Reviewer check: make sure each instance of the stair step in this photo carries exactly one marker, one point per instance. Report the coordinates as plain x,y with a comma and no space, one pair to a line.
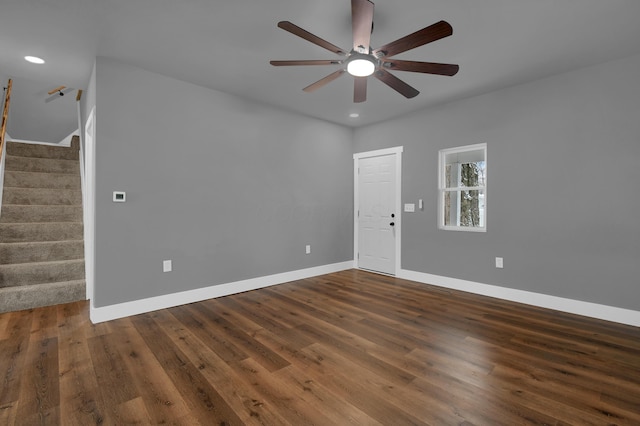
51,231
46,165
38,295
41,151
13,253
41,272
19,179
37,213
41,196
41,230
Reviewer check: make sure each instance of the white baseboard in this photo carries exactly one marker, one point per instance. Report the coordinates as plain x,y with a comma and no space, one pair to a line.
121,310
587,309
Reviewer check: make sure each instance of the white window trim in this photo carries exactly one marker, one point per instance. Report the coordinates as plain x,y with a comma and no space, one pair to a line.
442,190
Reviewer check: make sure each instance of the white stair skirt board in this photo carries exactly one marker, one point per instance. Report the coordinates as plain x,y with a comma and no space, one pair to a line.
586,309
135,307
66,141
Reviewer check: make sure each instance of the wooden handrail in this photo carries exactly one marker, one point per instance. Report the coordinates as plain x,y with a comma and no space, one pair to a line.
5,114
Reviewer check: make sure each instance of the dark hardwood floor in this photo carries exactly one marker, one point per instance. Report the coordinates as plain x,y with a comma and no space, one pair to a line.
346,348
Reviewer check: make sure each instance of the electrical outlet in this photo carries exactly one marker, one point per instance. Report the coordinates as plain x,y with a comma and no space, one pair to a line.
499,263
307,249
167,266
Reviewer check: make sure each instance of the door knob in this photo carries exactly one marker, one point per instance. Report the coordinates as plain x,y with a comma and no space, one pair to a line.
392,223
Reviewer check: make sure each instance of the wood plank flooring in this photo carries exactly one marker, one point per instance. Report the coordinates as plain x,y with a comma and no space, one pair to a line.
350,348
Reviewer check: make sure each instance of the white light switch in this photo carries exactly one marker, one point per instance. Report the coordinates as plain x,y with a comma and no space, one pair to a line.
410,208
307,249
166,266
499,263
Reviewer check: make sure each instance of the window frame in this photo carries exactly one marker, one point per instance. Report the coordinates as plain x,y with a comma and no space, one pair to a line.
443,190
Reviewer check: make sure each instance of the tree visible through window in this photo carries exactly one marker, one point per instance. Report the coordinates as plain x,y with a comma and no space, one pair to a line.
463,188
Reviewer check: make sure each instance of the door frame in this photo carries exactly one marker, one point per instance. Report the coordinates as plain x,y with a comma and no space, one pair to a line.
89,207
397,151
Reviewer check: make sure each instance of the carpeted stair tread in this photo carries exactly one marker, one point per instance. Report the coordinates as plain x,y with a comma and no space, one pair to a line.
22,274
42,231
41,196
41,151
20,179
46,165
40,251
12,213
38,295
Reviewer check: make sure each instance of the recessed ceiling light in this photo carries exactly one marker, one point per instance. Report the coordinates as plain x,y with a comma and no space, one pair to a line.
354,115
34,59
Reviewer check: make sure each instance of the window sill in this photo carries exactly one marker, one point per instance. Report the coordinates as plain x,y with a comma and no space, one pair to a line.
463,229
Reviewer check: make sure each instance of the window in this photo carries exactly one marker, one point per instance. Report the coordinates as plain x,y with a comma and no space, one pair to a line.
462,186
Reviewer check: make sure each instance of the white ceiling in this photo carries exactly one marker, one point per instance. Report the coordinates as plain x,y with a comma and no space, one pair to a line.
227,45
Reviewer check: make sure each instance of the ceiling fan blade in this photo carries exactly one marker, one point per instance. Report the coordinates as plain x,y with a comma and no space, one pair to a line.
318,84
296,30
57,94
426,35
424,67
359,89
361,21
57,89
396,84
305,62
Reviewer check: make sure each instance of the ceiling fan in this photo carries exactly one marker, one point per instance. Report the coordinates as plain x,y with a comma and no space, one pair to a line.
57,93
362,61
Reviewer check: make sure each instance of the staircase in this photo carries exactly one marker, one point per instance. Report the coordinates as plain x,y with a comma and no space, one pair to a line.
41,232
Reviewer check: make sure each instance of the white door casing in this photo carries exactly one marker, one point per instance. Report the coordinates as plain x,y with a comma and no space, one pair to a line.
377,205
89,204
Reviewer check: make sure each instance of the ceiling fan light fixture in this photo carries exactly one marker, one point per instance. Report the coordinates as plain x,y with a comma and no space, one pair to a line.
360,65
362,61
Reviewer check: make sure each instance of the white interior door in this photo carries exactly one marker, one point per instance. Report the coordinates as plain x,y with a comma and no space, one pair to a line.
377,218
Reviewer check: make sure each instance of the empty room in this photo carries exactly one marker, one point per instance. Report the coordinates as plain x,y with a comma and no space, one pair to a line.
339,212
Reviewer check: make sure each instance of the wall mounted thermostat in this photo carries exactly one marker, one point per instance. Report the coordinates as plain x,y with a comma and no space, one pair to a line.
119,196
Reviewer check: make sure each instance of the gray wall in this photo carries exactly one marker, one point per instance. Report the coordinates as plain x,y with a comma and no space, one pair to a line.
563,175
226,188
87,102
37,117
